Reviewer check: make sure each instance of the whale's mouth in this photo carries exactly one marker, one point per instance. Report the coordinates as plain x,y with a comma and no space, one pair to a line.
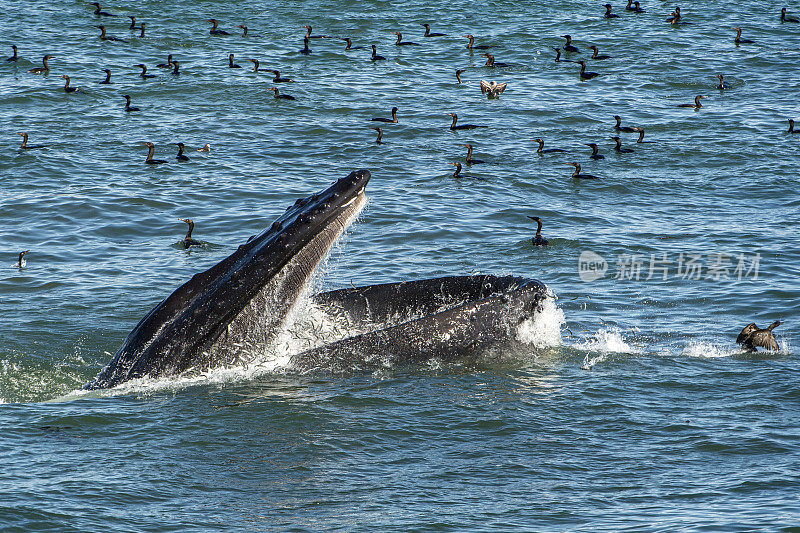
221,315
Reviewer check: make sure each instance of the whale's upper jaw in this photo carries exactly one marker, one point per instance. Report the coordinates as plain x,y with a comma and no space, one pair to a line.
272,268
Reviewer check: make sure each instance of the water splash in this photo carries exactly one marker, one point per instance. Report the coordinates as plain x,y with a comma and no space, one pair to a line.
543,330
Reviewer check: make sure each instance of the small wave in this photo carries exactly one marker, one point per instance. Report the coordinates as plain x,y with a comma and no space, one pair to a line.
708,350
605,341
544,329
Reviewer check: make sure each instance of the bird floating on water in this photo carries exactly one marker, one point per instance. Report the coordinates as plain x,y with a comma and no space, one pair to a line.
738,40
392,120
67,88
150,150
753,336
375,56
619,147
596,55
577,174
128,107
492,89
784,18
586,75
472,46
279,96
696,104
490,62
105,37
538,240
721,85
380,135
470,160
45,68
21,262
609,14
400,42
180,156
214,30
107,81
26,146
429,34
619,127
596,155
99,12
144,75
188,240
542,151
14,57
454,126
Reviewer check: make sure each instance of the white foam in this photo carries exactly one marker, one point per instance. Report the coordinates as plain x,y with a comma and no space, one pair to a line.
607,340
708,350
543,330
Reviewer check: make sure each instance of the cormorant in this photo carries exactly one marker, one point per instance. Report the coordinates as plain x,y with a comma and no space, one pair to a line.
133,25
538,240
696,104
380,135
281,96
791,127
470,160
104,37
214,30
309,36
429,34
128,107
471,45
306,50
492,89
176,68
596,54
24,145
350,44
244,32
256,66
278,79
490,62
141,35
542,151
45,68
641,136
721,85
20,261
400,38
150,150
568,47
100,13
609,14
375,56
144,75
577,173
618,127
784,18
752,336
586,75
231,64
180,156
67,88
595,152
463,126
738,40
459,72
168,64
188,240
619,147
107,81
638,8
15,56
392,120
457,173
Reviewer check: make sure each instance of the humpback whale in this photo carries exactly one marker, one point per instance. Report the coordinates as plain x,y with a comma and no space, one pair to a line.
237,307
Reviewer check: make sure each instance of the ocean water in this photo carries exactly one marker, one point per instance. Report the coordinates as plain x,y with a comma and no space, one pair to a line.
634,409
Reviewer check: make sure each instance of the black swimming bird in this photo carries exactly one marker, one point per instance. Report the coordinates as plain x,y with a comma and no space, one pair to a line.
629,7
104,37
20,261
791,127
281,96
176,68
231,64
595,152
619,147
45,68
675,17
568,47
641,136
309,36
459,72
26,146
133,25
144,75
99,12
128,107
784,18
278,79
141,35
609,14
214,30
350,44
597,55
638,8
429,34
168,64
107,81
542,151
577,174
380,135
67,88
586,75
738,40
256,67
305,50
721,85
400,39
375,56
188,240
470,159
457,173
490,62
492,89
244,32
472,46
180,156
14,57
392,120
618,127
454,127
150,150
696,104
538,240
752,336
